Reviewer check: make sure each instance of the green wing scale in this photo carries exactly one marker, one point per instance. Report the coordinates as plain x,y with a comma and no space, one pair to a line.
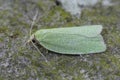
72,40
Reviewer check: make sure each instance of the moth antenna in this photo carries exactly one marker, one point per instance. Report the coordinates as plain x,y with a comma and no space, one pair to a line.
31,27
39,51
33,22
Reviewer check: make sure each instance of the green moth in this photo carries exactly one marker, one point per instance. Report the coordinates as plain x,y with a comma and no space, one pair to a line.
71,40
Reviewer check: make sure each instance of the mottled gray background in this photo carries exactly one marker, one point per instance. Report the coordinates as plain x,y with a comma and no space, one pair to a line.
23,62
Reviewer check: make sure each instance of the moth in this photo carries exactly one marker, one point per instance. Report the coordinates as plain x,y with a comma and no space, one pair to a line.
71,40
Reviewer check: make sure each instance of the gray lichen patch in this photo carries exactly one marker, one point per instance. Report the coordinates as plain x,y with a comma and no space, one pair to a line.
75,7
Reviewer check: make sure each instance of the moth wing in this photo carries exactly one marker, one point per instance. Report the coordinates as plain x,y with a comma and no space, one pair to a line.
72,40
88,31
73,44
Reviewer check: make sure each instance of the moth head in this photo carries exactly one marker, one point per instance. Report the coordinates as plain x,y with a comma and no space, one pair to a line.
32,38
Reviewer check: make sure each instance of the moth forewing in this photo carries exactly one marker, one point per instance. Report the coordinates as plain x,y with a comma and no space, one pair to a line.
72,40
